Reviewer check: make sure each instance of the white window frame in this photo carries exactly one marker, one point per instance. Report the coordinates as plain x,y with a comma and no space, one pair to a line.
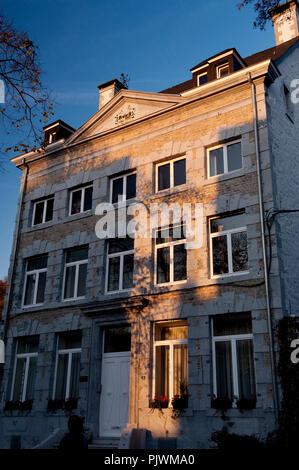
228,234
36,272
171,258
67,265
171,343
26,356
225,162
121,255
45,201
171,162
201,75
233,340
82,189
124,195
220,67
70,353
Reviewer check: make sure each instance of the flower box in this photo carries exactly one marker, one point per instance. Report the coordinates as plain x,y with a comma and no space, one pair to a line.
179,402
71,403
159,403
55,404
26,405
12,405
246,403
221,403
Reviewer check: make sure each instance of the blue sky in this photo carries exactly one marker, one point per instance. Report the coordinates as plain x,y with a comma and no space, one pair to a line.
85,43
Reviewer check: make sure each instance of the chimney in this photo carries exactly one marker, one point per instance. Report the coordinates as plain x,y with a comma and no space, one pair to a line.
108,90
285,19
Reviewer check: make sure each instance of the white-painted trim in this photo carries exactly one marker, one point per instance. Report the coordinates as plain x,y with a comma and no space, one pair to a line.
45,201
120,255
69,352
220,67
171,245
26,356
225,161
35,272
77,264
82,189
124,177
201,75
171,163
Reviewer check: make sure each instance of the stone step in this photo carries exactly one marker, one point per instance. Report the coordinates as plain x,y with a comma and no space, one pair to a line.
104,443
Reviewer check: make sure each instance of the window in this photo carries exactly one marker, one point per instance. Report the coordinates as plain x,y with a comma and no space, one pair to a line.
123,188
233,364
170,358
25,369
228,244
170,254
75,272
120,264
81,200
288,102
222,70
35,281
67,371
43,211
225,158
202,79
171,174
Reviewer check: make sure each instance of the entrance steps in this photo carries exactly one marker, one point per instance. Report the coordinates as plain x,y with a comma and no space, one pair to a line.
105,443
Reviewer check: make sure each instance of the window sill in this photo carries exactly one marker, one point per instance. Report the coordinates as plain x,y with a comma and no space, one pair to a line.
168,192
235,413
225,176
230,275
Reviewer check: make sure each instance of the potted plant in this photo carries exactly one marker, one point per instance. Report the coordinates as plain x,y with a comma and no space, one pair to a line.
221,404
180,402
159,403
12,405
55,404
246,403
71,404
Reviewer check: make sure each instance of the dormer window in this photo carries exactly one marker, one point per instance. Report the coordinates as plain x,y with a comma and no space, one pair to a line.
202,79
222,70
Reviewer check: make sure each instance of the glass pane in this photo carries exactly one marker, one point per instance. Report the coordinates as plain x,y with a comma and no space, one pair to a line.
180,262
117,245
216,162
162,371
179,170
19,379
239,251
224,369
49,209
169,234
40,296
117,339
245,368
69,288
228,223
203,79
29,289
82,280
37,263
78,254
234,157
163,265
88,199
76,201
61,376
75,374
220,258
163,176
31,378
180,369
117,190
28,345
171,330
232,324
39,211
131,186
113,274
128,271
70,340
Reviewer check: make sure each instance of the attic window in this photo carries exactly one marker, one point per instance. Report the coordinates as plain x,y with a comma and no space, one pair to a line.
222,70
202,79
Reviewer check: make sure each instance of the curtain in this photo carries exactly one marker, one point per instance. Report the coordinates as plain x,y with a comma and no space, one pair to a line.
180,368
75,373
61,376
19,379
224,369
245,368
31,378
162,371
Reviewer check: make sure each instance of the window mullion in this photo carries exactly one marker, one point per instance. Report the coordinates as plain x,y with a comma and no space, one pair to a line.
25,379
68,380
82,199
124,198
235,368
44,211
229,252
171,364
76,281
225,166
35,287
171,263
171,174
121,268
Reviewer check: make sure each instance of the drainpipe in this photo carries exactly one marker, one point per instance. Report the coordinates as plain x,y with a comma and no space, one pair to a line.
14,249
261,207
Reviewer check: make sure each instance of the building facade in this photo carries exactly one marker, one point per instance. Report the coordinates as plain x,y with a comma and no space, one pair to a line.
114,328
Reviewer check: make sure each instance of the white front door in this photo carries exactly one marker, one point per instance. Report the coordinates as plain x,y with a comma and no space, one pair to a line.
114,406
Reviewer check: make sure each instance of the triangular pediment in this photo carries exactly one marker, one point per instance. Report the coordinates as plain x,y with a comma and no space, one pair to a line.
125,108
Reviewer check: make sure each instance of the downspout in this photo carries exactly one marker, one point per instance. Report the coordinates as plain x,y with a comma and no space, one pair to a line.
261,210
14,250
